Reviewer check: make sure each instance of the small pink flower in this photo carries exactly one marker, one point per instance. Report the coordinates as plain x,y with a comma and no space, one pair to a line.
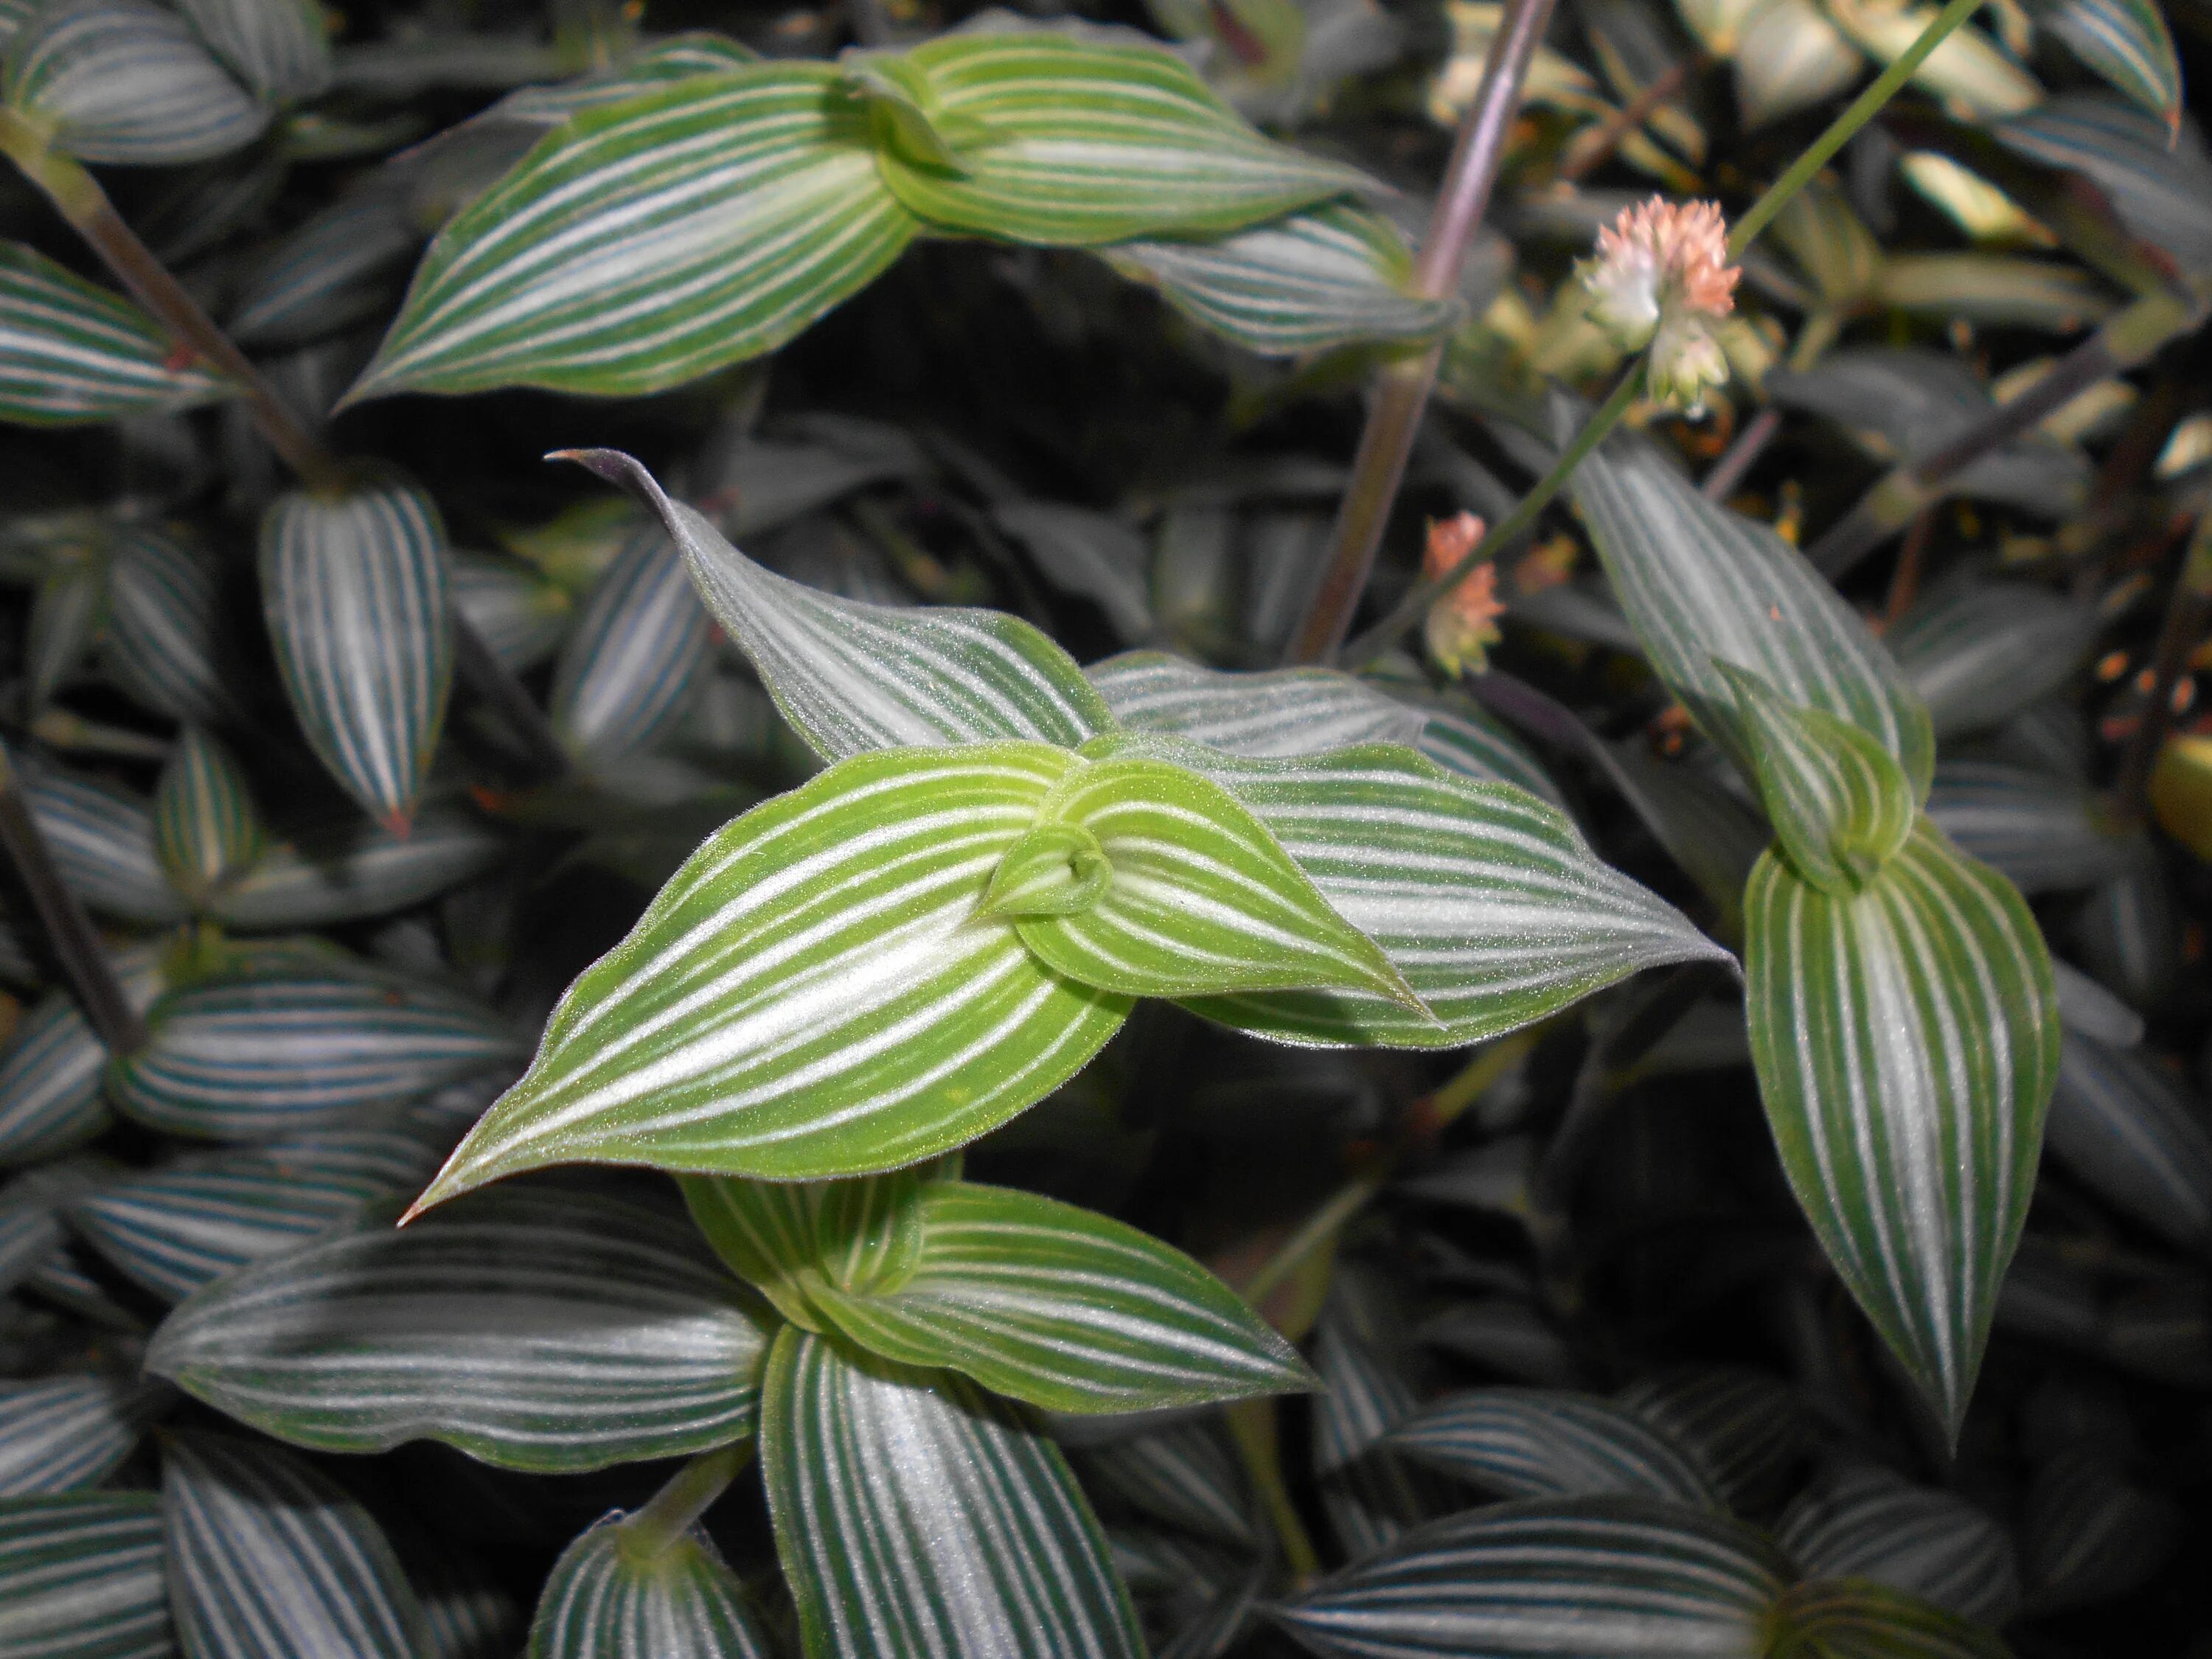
1462,625
1661,278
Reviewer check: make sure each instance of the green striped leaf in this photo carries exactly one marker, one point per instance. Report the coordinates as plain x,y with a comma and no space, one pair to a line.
102,839
1567,1578
2094,1532
542,1331
1535,1443
269,1558
916,1515
31,1209
1199,899
1978,653
1742,1431
1372,1493
813,995
2153,176
520,615
637,654
1839,804
65,615
2043,831
648,243
128,82
73,354
792,1238
2127,1131
206,828
50,1076
338,268
2125,42
1703,586
1063,139
1485,898
852,677
1856,1619
1329,277
81,1578
1277,712
172,1229
604,1599
63,1432
164,645
255,1058
1065,1309
355,592
1187,1476
345,872
1866,1524
280,48
1906,1043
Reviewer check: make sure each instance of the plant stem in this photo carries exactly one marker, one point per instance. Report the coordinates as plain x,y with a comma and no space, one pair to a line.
670,1512
92,981
1415,606
1589,149
1750,443
1402,393
1252,1425
2187,612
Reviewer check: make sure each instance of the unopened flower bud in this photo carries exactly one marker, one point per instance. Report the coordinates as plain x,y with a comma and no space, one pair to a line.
1462,625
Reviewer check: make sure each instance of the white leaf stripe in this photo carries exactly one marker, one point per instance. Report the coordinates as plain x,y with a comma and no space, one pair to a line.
639,646
62,1432
102,838
643,245
81,1578
853,676
813,994
2127,1131
540,1332
71,352
269,1559
345,872
791,1238
50,1076
920,1518
1067,1309
2125,42
356,591
1865,1522
2045,832
1906,1041
280,48
1700,583
126,82
674,58
334,270
601,1602
162,644
1266,715
1743,1430
1594,1577
521,616
1187,1476
205,826
1531,1442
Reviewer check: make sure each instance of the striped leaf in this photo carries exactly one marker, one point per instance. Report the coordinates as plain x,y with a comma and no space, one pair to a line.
172,1229
2129,1132
1068,139
1371,1492
637,654
1199,899
650,242
280,48
50,1076
338,268
542,1331
1099,556
1906,1043
2093,1531
1742,1431
356,591
518,614
1566,1578
1278,713
813,995
128,82
1979,653
269,1558
164,645
604,1599
65,616
102,839
345,872
1536,1442
1867,1523
916,1515
31,1208
74,353
2043,832
1329,277
1187,1476
63,1432
2125,42
1856,1619
1065,1309
1703,585
1462,737
206,828
852,677
1839,804
1485,898
791,1238
252,1059
81,1578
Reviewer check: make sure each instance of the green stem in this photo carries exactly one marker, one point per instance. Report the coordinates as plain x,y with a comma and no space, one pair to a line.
1252,1425
672,1512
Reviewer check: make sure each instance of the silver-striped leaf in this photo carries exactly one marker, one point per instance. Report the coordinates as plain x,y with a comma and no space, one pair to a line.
1565,1578
1865,1522
1065,1309
1541,1442
1742,1431
50,1075
2092,1531
1187,1476
1331,276
636,655
32,1205
66,612
81,1578
206,827
604,1599
916,1515
1064,138
255,1058
1856,1619
358,604
127,82
1266,715
345,872
164,646
520,615
2134,1136
790,1238
1371,1492
280,48
1906,1042
1703,586
269,1558
1979,652
813,995
2125,42
74,353
1099,556
852,677
2045,832
652,242
62,1432
337,269
542,1331
102,839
